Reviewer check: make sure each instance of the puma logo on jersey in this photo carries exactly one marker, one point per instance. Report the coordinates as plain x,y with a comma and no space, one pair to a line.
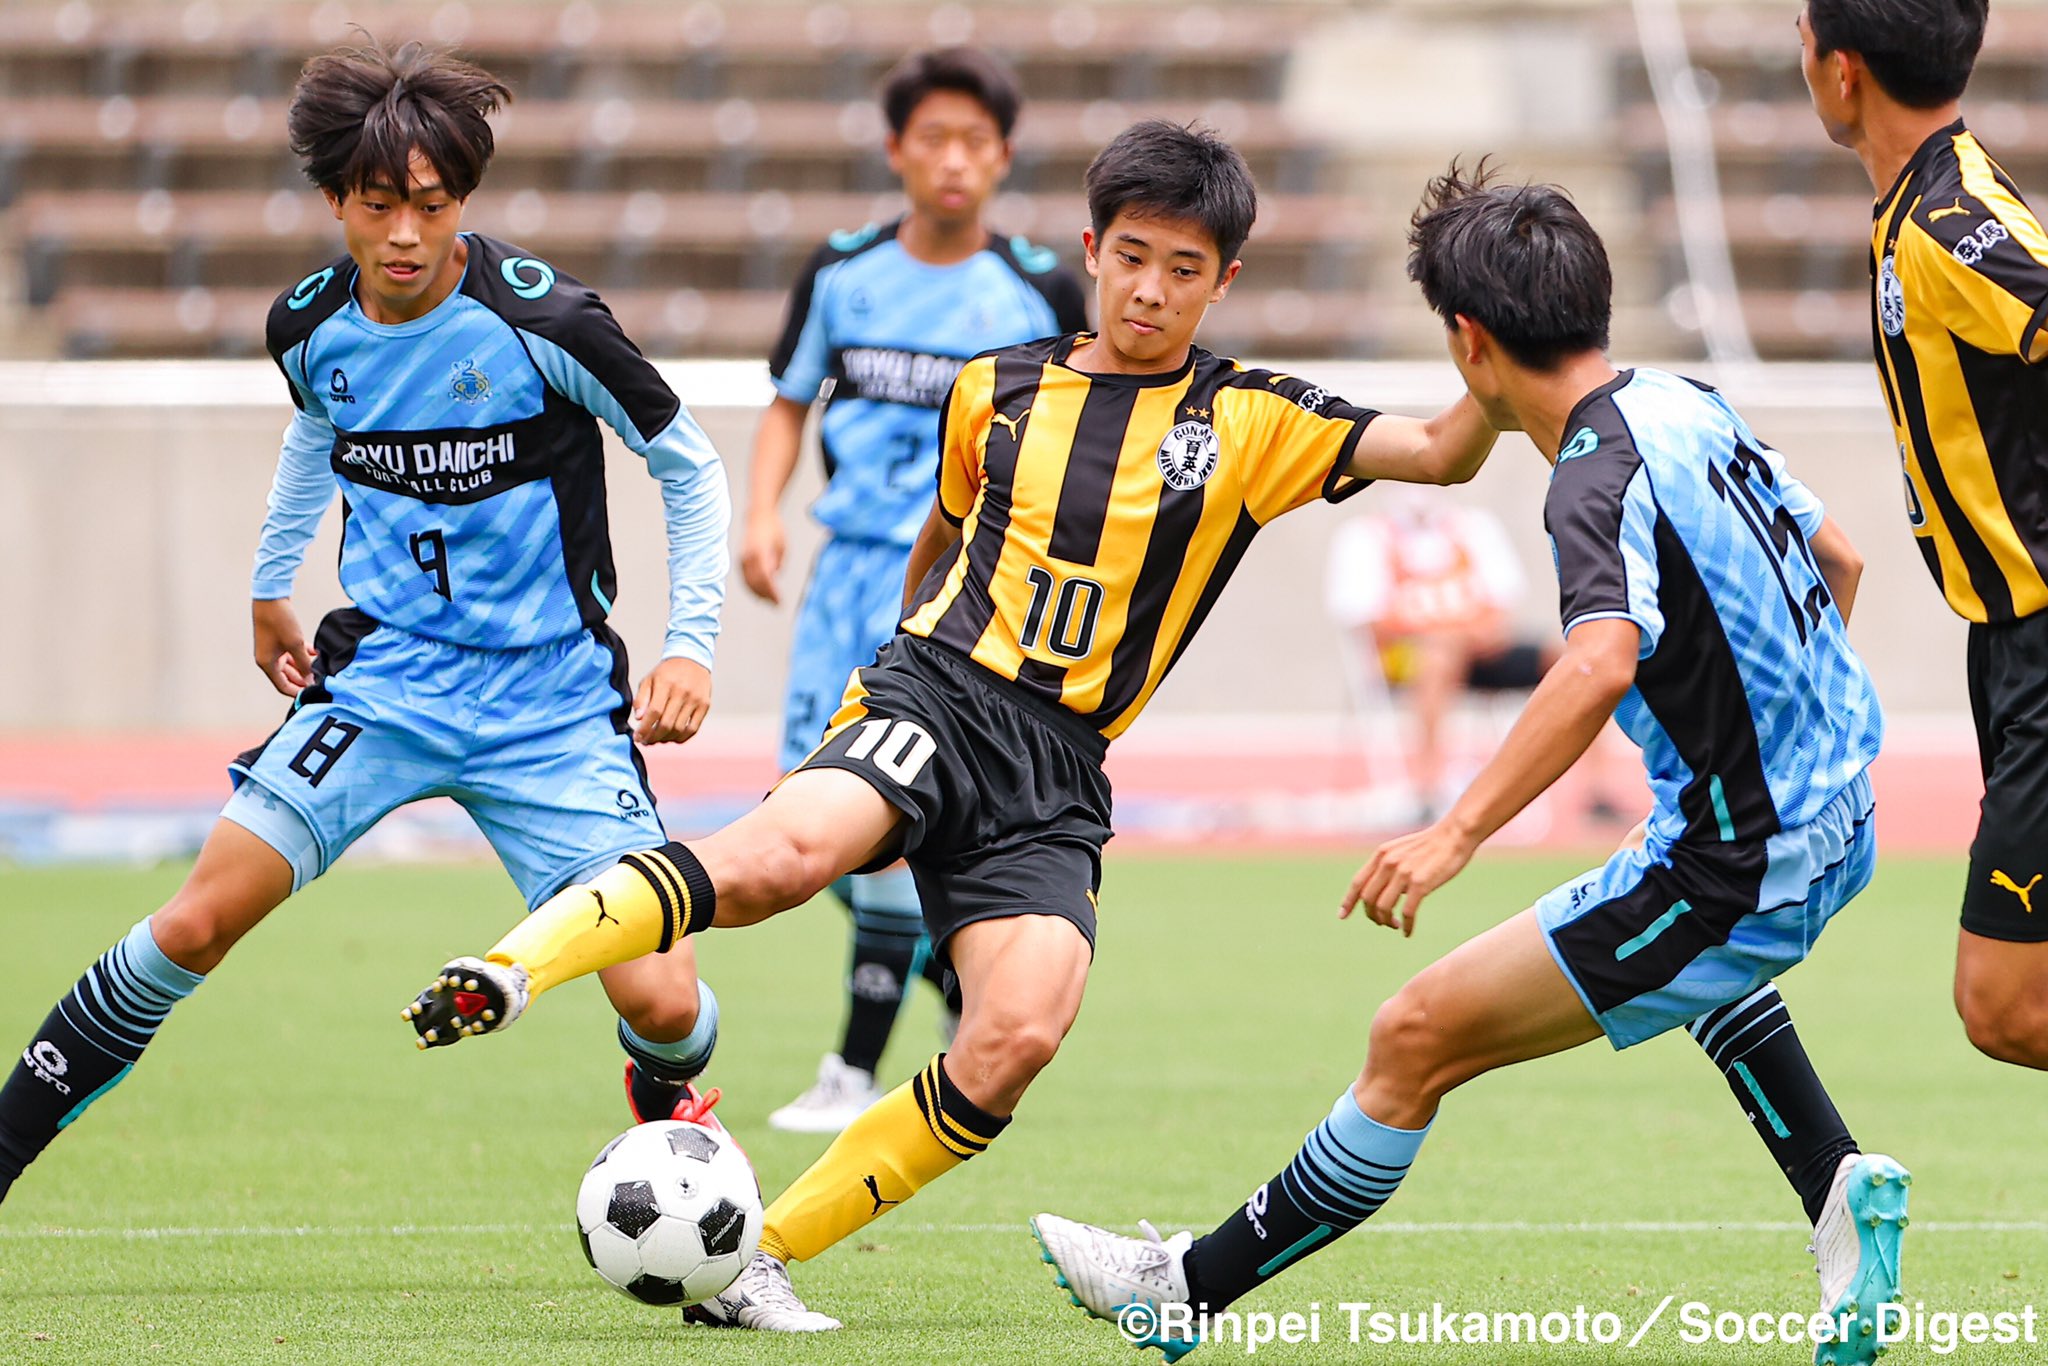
2025,894
1014,424
1955,208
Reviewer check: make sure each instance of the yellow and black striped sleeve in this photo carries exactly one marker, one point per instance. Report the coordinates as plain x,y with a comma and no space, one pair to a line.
1989,253
963,437
1305,437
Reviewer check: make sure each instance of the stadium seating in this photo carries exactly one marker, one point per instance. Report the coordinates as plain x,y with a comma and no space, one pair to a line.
684,159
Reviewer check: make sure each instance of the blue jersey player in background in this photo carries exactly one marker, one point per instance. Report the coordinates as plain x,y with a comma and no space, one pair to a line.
880,322
1704,596
450,387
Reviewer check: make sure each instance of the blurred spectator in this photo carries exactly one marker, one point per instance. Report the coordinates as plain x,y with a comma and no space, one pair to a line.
1424,593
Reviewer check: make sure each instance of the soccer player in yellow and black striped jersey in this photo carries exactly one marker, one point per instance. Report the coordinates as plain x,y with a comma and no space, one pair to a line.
1095,493
1959,277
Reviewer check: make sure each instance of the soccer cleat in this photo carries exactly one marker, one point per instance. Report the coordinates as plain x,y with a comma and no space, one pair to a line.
470,996
761,1299
834,1101
1124,1281
1856,1252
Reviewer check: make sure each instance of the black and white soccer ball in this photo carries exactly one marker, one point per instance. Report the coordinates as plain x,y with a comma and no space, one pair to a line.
670,1212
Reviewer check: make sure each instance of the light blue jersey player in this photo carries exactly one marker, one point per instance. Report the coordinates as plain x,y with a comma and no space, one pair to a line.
879,323
450,389
1705,597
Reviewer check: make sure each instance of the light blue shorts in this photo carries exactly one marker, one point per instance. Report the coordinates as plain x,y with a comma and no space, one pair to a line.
532,743
1659,936
851,608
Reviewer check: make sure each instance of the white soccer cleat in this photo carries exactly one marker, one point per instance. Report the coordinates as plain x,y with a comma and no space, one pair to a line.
1125,1281
834,1101
761,1299
1856,1252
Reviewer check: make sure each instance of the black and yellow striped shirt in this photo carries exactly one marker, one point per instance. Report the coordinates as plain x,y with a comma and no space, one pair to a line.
1959,271
1101,515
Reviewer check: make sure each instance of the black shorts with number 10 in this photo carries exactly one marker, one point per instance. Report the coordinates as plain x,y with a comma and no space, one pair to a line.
1007,803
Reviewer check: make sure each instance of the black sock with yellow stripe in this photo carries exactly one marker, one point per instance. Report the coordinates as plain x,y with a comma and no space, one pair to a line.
642,904
907,1139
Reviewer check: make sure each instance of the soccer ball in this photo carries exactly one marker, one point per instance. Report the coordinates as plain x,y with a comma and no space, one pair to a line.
670,1212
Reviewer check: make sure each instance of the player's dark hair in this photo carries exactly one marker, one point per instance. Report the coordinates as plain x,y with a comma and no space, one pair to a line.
359,113
1920,51
1159,169
1520,260
970,71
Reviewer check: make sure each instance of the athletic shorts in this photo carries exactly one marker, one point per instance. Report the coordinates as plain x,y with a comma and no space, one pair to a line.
1007,804
533,743
852,602
2008,666
1659,936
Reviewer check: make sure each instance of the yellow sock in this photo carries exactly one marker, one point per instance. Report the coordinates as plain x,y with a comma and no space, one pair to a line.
641,904
907,1139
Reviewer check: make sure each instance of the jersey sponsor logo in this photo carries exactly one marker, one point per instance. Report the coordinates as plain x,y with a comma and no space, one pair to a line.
1188,455
459,466
337,387
530,279
1313,399
882,374
1891,298
630,806
1584,442
1999,878
1015,425
48,1063
468,384
308,289
1971,248
1955,208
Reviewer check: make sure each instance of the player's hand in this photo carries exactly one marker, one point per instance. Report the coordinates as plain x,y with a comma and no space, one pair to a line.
761,556
671,702
280,645
1405,870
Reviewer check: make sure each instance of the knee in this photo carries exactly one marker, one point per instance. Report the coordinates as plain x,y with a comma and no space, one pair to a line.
196,928
2005,1026
1409,1050
781,870
666,1016
1000,1054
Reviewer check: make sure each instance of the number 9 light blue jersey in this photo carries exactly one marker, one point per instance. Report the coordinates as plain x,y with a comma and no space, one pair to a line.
1752,710
466,448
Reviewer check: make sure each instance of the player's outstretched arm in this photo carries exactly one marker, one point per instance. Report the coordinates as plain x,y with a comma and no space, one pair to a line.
1840,564
1564,715
1446,449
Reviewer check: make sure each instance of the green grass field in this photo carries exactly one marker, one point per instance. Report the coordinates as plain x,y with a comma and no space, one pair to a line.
285,1179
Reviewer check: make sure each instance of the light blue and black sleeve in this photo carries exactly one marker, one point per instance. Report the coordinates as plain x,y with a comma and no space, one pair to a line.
588,359
304,483
1602,519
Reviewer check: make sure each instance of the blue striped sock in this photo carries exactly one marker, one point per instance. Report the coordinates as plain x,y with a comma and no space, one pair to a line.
687,1056
1347,1168
87,1043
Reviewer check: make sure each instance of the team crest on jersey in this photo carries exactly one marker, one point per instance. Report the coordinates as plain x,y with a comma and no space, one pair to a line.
1188,455
469,385
1891,299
